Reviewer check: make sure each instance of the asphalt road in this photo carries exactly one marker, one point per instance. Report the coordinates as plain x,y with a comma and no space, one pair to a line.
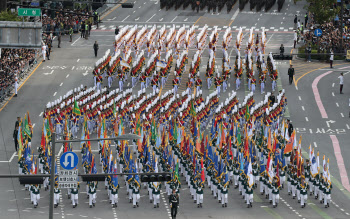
71,66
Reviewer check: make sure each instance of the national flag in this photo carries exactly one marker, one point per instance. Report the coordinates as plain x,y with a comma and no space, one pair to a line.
247,114
250,174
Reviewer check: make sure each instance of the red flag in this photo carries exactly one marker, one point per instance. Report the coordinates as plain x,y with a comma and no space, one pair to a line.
274,143
88,143
290,143
43,141
202,175
65,149
229,145
246,146
269,145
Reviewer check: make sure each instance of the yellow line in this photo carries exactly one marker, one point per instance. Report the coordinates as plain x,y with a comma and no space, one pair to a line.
231,23
21,85
197,20
112,10
296,82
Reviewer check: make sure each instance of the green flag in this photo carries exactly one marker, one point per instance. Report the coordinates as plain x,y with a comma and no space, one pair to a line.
26,128
114,110
177,177
76,109
193,111
239,141
247,115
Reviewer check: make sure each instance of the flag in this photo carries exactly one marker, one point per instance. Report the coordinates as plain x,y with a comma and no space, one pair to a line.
193,110
161,64
124,64
26,128
247,114
250,174
289,145
269,144
76,110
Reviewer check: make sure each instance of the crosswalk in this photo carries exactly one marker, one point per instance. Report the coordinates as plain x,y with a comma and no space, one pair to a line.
234,28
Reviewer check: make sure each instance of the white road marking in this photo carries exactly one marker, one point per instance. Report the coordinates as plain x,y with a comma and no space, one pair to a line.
303,108
333,85
269,39
126,18
299,98
134,11
75,41
306,119
41,114
173,19
13,155
67,76
161,19
33,125
78,60
186,19
315,144
55,94
333,94
235,14
342,115
337,104
137,19
151,18
347,126
61,84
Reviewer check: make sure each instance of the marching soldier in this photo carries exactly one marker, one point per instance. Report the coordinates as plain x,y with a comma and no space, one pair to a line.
135,194
303,192
74,196
218,83
57,192
114,194
174,202
35,189
92,193
156,186
198,83
224,195
327,193
275,192
175,84
199,193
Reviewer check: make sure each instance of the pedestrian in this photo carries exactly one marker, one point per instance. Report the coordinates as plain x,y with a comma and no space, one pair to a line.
82,29
59,40
43,51
90,28
295,22
290,127
298,24
95,48
291,74
308,53
174,203
295,38
16,84
331,58
70,34
48,49
282,50
86,30
306,19
341,82
15,132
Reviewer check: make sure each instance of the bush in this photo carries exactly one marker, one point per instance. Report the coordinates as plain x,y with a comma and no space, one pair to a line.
320,57
9,16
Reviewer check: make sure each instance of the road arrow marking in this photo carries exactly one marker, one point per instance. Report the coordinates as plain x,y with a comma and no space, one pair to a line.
330,121
86,73
66,163
49,73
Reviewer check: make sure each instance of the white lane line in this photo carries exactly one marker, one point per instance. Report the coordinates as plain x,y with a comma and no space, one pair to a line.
186,19
13,155
137,19
337,104
75,41
310,131
333,94
161,19
41,114
269,39
342,115
303,108
306,119
315,144
347,126
78,60
333,85
134,11
173,19
151,18
55,94
235,14
299,98
126,18
61,84
67,76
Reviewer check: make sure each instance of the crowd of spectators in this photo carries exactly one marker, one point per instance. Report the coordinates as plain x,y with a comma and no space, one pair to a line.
14,61
64,20
331,34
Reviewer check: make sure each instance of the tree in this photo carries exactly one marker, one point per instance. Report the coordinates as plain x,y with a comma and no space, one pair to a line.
323,11
9,16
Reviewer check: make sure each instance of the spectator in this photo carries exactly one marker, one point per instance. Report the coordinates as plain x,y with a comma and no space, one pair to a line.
341,82
331,59
295,22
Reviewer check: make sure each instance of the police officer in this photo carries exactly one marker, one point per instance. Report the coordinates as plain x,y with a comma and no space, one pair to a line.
95,48
174,203
70,34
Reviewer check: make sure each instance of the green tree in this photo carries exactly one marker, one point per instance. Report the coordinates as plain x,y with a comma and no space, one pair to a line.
9,16
323,11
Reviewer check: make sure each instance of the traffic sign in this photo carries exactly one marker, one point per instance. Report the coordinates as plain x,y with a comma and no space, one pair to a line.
318,32
29,12
37,4
68,179
69,160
